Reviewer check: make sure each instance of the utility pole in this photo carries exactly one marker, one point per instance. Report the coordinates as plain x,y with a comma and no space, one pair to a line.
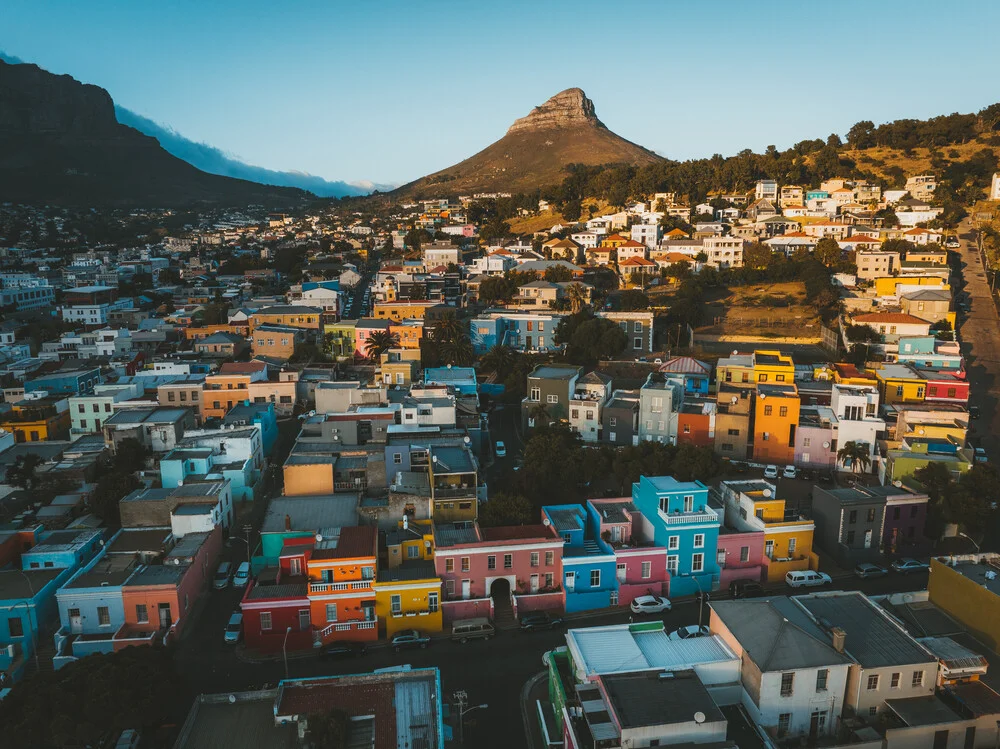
461,698
247,530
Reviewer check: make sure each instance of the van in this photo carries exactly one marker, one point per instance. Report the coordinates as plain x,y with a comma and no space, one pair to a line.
807,579
221,579
242,576
479,628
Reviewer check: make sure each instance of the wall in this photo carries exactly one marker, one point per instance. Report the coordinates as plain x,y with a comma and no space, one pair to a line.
634,584
415,610
734,569
473,607
308,479
539,602
861,700
971,604
284,614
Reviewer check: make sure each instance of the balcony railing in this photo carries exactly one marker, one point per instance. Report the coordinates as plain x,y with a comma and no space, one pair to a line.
447,492
708,515
339,587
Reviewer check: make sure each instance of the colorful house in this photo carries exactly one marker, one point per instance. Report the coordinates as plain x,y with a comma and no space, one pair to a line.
37,420
340,339
408,596
589,565
902,459
945,387
788,537
273,605
900,383
640,565
695,375
341,572
363,328
696,422
776,418
740,555
686,526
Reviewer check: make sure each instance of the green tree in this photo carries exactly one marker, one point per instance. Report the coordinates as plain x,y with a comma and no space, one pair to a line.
632,299
22,473
494,290
828,251
589,339
109,491
556,273
571,210
757,256
378,342
505,509
577,297
498,360
857,454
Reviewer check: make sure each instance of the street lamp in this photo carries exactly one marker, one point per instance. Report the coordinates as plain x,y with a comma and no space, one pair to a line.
969,538
284,649
460,697
701,598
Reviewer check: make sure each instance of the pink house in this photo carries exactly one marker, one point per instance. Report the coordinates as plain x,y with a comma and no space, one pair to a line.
493,570
364,328
740,555
641,568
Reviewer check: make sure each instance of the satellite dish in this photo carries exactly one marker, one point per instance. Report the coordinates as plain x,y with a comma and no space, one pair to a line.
546,521
734,400
826,445
232,699
897,483
767,492
319,538
699,717
920,431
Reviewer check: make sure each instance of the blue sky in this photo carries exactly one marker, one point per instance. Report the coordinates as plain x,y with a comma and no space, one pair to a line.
388,91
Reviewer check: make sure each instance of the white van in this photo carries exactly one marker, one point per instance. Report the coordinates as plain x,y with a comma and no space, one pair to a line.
242,576
221,579
479,628
807,579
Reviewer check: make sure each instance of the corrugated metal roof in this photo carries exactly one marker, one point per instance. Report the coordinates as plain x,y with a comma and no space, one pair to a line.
621,648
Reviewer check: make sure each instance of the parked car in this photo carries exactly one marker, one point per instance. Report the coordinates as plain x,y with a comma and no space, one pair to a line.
907,565
242,576
408,639
476,628
974,412
789,472
345,649
807,579
981,456
771,472
234,630
867,569
650,605
129,739
746,589
539,620
501,449
221,579
689,632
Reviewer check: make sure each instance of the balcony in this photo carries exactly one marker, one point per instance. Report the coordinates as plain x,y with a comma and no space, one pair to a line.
340,587
708,515
455,492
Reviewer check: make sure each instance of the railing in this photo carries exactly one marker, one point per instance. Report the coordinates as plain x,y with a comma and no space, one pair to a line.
708,515
348,626
442,492
337,587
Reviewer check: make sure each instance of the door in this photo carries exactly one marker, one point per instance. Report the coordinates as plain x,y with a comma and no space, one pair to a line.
534,583
164,611
75,621
570,582
817,724
621,572
466,589
868,539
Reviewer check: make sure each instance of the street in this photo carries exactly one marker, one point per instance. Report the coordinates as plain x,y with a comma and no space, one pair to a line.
490,672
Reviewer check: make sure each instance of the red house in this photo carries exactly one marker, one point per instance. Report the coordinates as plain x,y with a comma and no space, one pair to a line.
946,387
696,422
270,606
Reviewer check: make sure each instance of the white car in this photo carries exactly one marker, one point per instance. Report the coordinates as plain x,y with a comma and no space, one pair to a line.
789,472
689,632
807,579
501,449
650,605
771,472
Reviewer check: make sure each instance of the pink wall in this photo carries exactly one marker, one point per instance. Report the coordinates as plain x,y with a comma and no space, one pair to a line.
734,569
539,602
479,571
634,583
452,610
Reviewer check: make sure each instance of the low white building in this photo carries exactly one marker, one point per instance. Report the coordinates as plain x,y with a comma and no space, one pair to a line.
586,405
647,234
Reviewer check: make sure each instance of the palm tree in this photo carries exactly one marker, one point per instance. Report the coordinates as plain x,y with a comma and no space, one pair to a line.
458,352
858,454
498,359
379,342
539,414
577,297
448,328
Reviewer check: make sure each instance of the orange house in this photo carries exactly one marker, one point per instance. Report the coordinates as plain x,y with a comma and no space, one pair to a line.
229,386
696,423
197,333
409,332
776,416
341,575
307,318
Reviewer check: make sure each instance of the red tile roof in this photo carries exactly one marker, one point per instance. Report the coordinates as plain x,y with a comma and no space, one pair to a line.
354,698
242,367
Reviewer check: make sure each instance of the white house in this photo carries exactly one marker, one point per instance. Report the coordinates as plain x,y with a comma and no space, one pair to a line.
647,234
856,407
995,187
328,299
767,189
586,404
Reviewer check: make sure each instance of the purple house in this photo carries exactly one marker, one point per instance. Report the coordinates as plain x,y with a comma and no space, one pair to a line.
816,438
905,517
641,567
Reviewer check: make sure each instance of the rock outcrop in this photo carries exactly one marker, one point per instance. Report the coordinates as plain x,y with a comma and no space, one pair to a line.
569,108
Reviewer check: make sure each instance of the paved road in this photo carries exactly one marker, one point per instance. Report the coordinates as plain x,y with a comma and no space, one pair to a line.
492,672
979,331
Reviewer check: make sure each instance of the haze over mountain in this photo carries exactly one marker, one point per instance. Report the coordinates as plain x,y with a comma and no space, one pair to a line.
535,151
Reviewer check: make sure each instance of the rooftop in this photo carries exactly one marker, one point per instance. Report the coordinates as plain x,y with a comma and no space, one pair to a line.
453,534
923,711
354,542
110,570
158,574
311,513
409,570
15,584
247,722
646,699
283,590
553,372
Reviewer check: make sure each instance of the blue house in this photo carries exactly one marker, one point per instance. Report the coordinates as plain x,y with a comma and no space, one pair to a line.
330,285
817,195
522,331
65,382
589,565
692,374
261,414
684,524
930,353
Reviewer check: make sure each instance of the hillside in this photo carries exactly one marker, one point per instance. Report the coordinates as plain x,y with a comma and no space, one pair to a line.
60,143
535,151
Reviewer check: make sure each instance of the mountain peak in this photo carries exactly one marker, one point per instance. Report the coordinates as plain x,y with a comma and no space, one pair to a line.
569,108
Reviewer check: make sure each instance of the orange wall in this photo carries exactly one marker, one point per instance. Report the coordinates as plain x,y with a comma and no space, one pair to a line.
303,480
226,396
304,319
778,428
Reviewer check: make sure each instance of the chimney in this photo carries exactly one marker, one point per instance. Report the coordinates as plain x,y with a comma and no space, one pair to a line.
288,522
839,636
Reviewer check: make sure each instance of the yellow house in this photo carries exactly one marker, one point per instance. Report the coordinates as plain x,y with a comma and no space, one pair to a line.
966,594
409,333
408,597
889,285
773,367
846,373
788,537
900,383
412,540
398,311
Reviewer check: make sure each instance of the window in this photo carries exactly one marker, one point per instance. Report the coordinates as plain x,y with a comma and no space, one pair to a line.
744,553
548,579
769,549
850,538
449,587
895,513
595,578
465,564
550,558
870,515
534,559
894,680
822,676
674,542
899,391
768,410
647,570
412,552
872,682
873,711
720,557
491,562
672,564
787,680
791,545
783,722
637,327
142,615
15,626
331,612
689,503
449,565
83,423
613,601
432,602
265,621
613,422
783,411
103,616
699,540
551,398
536,394
853,517
508,561
697,562
396,604
734,432
762,378
637,344
918,679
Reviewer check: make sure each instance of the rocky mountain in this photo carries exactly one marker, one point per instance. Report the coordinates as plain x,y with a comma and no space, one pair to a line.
535,151
61,143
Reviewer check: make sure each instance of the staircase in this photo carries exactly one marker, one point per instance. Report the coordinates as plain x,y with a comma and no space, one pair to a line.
503,614
46,650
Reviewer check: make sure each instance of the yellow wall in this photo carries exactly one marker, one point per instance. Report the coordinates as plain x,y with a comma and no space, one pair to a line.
971,604
776,448
936,431
413,598
770,373
302,480
888,286
399,311
913,391
804,558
